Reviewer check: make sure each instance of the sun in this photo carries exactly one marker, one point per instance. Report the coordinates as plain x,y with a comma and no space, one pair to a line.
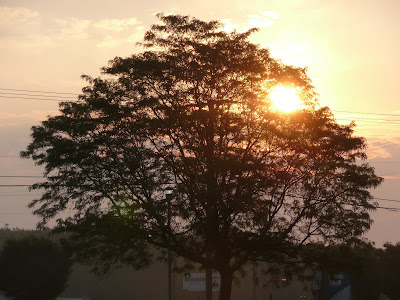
285,99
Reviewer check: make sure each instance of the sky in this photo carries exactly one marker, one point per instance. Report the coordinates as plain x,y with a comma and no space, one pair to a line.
351,50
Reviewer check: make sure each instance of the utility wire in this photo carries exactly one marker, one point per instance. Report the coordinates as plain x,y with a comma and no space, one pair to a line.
15,185
75,94
37,96
21,176
390,173
38,99
365,118
379,121
34,95
366,113
374,198
44,92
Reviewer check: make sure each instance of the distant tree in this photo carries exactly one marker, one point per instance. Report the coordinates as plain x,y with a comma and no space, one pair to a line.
193,112
33,269
360,260
373,270
389,271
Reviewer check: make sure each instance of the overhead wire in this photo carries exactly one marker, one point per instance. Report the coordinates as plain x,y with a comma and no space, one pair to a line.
367,113
29,95
21,176
41,95
76,94
374,198
38,99
38,91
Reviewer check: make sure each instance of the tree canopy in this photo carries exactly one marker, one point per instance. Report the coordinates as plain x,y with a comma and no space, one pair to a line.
192,112
33,269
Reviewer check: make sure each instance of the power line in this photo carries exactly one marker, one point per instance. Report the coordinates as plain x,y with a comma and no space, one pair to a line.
385,199
33,91
380,121
366,113
19,195
15,213
378,162
75,94
390,173
374,198
30,95
67,99
21,176
23,192
38,99
15,185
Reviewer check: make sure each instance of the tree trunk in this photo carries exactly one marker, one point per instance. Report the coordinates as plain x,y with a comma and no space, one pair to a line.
226,285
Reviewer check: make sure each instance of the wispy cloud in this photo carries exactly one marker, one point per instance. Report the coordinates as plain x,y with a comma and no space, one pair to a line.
262,20
112,41
73,28
18,31
229,26
117,25
378,152
17,15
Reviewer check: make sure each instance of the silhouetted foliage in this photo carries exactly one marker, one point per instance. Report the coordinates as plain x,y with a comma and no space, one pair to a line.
33,269
373,271
193,112
389,271
358,259
16,233
351,258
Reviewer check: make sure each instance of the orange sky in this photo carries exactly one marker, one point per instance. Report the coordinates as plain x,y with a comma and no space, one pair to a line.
350,47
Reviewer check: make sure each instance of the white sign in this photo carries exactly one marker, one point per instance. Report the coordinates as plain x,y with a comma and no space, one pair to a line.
196,282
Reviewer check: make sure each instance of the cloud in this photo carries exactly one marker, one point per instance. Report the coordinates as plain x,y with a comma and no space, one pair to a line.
294,53
74,28
112,41
266,19
262,20
49,33
378,152
229,26
116,25
17,15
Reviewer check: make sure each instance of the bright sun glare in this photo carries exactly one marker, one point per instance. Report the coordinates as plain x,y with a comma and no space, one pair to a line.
285,99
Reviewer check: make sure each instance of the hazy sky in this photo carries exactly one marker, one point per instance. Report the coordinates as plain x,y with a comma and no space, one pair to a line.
350,47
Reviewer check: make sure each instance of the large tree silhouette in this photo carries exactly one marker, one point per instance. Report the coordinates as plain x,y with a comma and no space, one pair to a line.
192,112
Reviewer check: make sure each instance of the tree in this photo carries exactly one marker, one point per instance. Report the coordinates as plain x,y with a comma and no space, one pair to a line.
33,269
388,271
359,259
192,112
